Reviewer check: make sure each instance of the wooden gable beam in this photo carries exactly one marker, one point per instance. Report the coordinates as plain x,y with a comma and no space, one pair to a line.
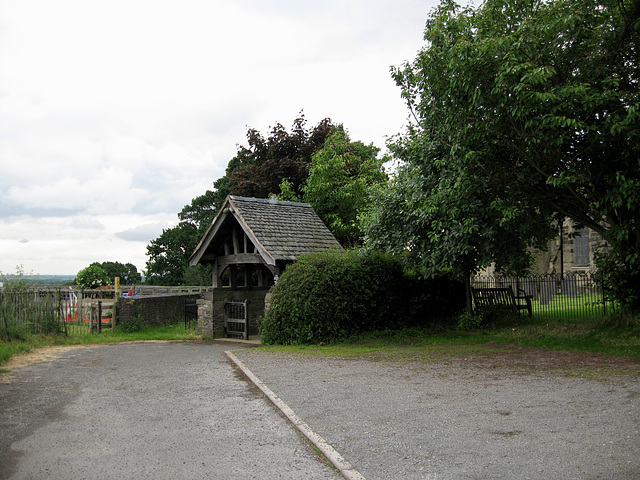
242,258
217,222
232,245
234,241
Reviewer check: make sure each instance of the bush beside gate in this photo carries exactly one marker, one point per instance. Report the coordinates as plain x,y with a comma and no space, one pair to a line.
327,297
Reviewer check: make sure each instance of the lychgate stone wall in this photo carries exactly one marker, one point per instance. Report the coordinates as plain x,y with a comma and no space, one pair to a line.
154,309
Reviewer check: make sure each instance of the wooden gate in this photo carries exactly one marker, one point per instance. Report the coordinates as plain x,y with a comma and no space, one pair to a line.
236,323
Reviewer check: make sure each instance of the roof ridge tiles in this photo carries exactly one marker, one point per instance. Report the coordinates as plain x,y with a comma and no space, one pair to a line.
269,201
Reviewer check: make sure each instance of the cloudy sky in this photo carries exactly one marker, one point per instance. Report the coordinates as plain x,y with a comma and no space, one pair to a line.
115,114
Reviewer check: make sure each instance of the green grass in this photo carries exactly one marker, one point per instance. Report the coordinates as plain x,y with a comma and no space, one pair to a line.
174,331
616,337
583,307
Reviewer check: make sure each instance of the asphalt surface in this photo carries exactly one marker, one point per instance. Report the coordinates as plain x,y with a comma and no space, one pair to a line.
184,411
146,410
524,414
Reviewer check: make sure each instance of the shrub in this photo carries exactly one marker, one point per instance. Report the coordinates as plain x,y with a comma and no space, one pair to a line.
433,300
331,296
133,325
92,277
622,282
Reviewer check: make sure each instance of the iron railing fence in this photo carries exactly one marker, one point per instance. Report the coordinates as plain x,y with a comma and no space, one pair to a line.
68,309
54,310
575,296
28,312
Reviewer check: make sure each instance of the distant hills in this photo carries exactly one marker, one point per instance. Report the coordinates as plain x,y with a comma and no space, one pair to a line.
49,279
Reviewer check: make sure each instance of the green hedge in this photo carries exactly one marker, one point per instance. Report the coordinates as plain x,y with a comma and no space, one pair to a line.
331,296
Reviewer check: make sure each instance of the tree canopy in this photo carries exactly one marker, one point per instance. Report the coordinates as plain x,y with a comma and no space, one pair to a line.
169,255
260,168
536,103
93,276
341,183
448,218
127,272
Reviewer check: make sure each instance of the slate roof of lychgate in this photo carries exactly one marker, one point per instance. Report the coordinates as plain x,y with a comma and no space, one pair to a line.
283,230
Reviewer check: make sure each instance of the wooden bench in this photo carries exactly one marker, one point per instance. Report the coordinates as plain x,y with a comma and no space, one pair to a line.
485,297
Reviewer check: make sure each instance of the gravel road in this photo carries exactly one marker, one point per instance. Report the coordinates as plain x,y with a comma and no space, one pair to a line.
145,410
182,411
519,415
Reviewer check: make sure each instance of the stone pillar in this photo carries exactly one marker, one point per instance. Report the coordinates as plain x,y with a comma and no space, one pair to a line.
205,315
218,316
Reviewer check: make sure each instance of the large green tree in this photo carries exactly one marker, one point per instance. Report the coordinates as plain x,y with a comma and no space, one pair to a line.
342,183
452,219
542,100
93,276
202,210
447,218
169,254
260,168
127,272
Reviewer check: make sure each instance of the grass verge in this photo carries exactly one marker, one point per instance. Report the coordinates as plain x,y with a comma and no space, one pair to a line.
618,337
174,331
614,336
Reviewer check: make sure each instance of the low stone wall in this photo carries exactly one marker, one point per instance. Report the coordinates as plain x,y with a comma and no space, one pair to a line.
155,309
211,309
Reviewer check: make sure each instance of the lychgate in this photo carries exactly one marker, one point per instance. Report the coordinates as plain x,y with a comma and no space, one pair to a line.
248,245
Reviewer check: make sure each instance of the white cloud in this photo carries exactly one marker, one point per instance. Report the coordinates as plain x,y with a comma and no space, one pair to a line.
114,115
142,233
91,192
65,245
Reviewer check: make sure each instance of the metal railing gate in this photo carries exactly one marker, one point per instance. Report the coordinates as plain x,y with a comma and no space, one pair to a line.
190,312
236,323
